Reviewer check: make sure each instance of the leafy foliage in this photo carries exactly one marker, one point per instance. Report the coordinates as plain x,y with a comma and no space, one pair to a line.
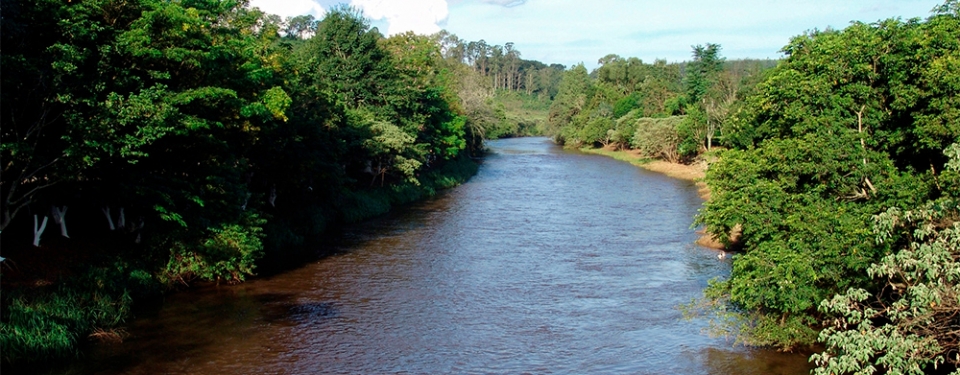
658,137
837,133
219,141
599,108
909,325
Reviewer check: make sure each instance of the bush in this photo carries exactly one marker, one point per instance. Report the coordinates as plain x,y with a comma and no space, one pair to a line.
626,127
229,253
597,130
659,137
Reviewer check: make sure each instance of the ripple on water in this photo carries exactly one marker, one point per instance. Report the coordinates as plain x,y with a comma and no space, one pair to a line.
548,261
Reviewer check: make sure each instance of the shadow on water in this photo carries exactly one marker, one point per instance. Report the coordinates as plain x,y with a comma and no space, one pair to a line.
547,261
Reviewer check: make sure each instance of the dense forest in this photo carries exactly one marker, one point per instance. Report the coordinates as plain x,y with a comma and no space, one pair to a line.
834,174
151,144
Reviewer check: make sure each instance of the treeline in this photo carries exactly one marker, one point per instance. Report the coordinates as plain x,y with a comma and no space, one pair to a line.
503,66
504,95
151,143
667,110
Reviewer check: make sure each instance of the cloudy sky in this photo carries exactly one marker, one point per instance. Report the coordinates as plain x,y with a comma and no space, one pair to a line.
573,31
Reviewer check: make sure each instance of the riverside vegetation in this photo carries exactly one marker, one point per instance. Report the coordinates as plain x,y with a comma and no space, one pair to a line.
839,169
150,145
195,140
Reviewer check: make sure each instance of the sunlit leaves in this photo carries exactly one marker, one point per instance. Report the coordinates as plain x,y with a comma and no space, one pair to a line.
911,327
850,125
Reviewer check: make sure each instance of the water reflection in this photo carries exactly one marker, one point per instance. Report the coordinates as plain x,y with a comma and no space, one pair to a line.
547,261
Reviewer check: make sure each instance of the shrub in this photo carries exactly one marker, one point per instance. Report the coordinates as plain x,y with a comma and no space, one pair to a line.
229,253
658,137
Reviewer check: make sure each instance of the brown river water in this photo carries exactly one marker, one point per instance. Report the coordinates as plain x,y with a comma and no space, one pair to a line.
546,262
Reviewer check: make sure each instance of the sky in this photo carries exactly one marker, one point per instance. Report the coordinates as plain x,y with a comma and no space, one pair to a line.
574,31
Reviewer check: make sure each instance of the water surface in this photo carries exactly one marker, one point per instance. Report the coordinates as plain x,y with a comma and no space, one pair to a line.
548,261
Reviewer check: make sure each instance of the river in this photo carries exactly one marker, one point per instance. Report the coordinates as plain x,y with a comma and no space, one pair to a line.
547,261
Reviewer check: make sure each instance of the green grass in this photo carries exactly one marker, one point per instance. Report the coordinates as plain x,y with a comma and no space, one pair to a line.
619,155
49,322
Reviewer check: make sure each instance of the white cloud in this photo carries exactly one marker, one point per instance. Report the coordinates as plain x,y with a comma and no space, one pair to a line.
290,8
419,16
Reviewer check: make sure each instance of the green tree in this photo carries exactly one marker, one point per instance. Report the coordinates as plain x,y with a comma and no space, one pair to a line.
575,88
908,325
848,126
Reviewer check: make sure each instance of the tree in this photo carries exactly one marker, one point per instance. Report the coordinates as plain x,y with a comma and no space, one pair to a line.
909,325
658,137
662,84
839,132
575,88
702,71
300,27
345,55
701,79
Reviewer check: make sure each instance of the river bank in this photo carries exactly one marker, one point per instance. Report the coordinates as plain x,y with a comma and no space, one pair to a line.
71,294
688,172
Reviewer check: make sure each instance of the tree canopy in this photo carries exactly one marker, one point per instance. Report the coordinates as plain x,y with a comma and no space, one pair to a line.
854,123
205,136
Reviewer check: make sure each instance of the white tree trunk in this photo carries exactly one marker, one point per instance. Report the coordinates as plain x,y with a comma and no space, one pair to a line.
245,201
106,211
59,217
38,231
273,196
122,221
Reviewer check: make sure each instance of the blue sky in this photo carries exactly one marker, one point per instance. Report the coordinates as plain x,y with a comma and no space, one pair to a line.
574,31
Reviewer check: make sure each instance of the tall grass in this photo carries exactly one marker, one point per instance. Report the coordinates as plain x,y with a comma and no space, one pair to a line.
48,322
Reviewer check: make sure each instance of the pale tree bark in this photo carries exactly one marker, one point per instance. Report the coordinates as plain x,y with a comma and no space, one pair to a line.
59,217
246,200
273,196
106,212
863,145
37,231
122,221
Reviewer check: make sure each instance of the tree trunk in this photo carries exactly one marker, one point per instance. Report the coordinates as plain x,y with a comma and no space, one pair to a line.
106,212
139,229
38,231
246,200
122,221
273,196
863,145
59,217
710,131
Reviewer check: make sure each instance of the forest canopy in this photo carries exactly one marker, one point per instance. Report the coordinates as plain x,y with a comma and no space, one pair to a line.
181,141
